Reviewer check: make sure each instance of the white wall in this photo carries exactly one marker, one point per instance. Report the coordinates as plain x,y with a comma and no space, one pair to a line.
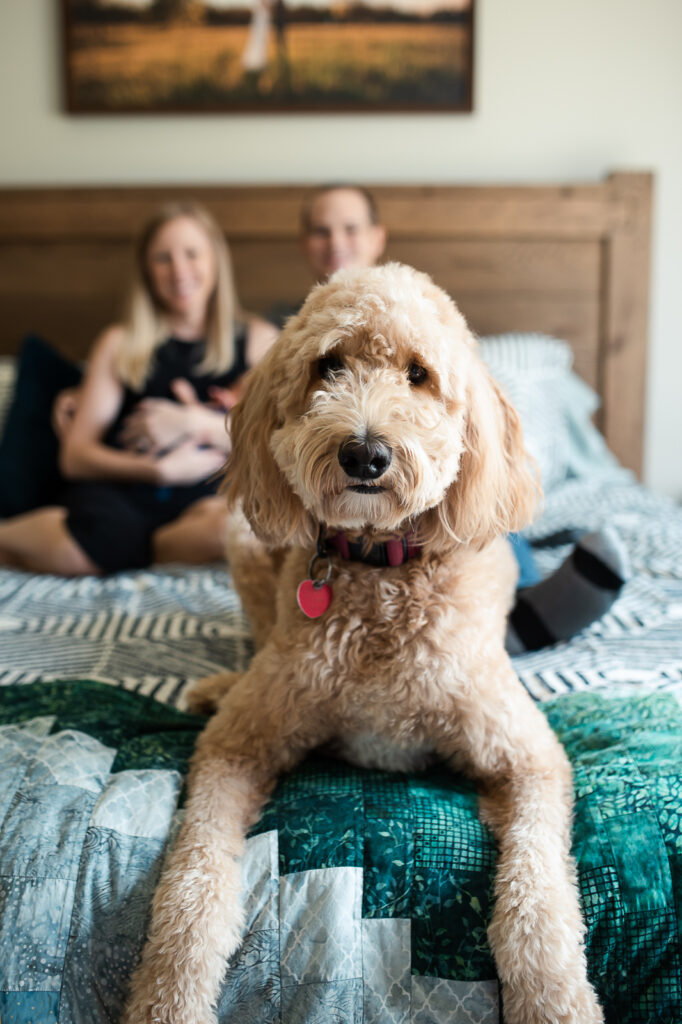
564,90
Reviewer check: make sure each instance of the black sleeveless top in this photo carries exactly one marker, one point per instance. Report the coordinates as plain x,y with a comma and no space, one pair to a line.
114,521
177,358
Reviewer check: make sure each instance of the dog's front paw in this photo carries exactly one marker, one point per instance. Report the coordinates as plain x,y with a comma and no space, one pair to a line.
204,696
560,1004
584,1008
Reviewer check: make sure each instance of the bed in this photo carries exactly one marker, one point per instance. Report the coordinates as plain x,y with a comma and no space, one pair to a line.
368,894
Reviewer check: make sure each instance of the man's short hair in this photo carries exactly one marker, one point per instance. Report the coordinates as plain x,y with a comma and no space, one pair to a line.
307,204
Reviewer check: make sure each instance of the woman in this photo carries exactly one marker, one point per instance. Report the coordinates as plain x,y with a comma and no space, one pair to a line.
148,435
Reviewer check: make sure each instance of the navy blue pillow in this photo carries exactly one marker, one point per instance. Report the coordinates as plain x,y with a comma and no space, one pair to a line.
29,470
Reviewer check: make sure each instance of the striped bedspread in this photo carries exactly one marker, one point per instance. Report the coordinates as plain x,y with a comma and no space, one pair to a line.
640,640
154,632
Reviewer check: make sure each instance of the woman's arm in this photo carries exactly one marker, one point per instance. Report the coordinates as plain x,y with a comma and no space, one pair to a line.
261,335
84,456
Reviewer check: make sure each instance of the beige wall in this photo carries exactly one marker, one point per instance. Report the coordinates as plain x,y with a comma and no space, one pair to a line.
564,90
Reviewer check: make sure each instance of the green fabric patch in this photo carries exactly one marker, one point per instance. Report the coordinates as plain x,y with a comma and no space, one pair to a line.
626,754
145,733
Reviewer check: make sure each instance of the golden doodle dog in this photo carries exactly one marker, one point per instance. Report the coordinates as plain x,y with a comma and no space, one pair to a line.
373,445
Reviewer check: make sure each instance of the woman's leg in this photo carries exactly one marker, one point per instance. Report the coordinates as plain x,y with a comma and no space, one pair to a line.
40,542
195,537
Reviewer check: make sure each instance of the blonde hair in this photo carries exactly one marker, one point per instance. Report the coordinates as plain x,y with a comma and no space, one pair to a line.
146,321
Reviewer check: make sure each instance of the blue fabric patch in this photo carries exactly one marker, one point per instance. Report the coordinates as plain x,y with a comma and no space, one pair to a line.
112,904
29,1007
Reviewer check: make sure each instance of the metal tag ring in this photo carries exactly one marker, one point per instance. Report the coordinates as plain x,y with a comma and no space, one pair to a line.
311,568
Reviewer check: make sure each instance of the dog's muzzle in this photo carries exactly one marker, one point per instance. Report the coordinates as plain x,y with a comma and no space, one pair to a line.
364,460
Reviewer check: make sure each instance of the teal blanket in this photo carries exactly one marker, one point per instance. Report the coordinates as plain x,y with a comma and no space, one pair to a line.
368,893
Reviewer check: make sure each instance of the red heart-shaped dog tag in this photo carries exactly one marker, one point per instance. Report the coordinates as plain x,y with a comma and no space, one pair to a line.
313,601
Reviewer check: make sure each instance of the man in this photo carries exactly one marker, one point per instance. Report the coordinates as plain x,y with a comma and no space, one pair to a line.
340,227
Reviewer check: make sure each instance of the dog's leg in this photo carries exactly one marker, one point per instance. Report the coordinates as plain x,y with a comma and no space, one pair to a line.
259,731
205,695
536,932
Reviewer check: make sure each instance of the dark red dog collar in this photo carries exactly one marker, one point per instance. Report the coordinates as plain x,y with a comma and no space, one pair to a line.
392,552
314,596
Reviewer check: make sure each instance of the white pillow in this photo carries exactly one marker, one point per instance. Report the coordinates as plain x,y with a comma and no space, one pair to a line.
555,406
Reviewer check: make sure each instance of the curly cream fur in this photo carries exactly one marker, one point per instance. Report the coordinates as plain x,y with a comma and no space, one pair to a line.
412,654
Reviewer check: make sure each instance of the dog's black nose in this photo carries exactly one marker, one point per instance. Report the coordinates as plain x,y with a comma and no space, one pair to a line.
364,460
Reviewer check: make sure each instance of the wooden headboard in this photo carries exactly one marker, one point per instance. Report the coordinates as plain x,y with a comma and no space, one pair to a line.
571,261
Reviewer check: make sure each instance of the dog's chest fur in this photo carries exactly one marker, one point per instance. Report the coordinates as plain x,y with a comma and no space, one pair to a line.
393,642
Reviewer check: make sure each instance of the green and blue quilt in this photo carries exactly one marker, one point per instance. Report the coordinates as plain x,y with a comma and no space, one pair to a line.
368,894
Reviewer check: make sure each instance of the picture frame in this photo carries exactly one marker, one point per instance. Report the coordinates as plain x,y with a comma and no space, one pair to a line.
286,56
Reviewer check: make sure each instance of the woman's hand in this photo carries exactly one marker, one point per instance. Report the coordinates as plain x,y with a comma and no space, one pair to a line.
188,464
220,399
225,399
156,424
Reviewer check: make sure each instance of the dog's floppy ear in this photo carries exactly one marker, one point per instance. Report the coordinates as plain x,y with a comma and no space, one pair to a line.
252,476
497,489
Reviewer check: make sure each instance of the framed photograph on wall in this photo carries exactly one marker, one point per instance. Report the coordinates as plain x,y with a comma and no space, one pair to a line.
142,56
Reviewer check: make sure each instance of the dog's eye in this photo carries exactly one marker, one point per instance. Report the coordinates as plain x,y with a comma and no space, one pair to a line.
328,366
416,373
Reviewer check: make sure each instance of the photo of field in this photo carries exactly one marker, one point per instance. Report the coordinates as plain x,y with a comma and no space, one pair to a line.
175,55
